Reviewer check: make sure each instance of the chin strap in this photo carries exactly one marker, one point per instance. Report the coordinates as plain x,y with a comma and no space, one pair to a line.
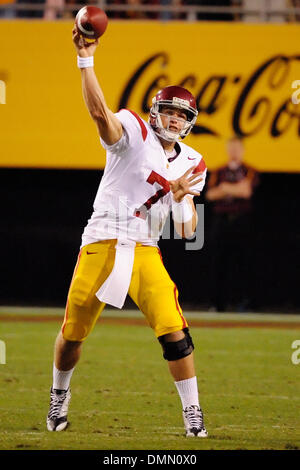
165,133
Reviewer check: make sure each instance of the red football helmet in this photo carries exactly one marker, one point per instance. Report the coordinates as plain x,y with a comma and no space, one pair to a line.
177,97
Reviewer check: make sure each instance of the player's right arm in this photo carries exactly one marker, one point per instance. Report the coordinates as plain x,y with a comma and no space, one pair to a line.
109,127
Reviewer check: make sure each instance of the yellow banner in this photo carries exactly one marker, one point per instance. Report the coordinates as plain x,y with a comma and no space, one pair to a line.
242,76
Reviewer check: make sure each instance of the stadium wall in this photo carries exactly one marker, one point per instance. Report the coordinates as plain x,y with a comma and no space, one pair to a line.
241,74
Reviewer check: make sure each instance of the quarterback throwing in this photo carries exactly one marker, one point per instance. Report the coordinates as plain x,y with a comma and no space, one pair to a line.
149,173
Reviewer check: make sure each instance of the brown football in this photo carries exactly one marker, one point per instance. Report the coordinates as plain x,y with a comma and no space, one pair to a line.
91,22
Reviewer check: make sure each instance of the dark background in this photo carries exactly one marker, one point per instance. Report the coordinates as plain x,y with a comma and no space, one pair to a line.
44,213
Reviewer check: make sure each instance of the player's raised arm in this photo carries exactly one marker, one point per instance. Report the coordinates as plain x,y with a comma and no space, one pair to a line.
109,127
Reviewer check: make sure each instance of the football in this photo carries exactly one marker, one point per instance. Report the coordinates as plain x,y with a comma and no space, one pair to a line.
91,22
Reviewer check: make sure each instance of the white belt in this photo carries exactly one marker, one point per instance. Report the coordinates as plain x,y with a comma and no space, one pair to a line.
115,288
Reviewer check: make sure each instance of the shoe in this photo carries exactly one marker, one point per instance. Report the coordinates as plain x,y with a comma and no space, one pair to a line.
193,422
59,404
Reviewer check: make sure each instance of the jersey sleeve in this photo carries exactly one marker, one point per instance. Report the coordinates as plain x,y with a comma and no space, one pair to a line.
200,168
134,132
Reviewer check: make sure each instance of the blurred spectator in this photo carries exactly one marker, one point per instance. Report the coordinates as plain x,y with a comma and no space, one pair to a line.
230,190
216,16
166,15
266,11
72,13
158,15
27,13
116,14
132,13
296,4
171,15
54,9
7,12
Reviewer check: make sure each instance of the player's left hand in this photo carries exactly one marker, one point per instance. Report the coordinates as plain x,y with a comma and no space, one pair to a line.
184,185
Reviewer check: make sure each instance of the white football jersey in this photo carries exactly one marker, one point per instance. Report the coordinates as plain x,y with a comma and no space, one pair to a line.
134,199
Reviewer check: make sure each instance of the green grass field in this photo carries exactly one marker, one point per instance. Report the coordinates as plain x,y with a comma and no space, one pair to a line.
124,398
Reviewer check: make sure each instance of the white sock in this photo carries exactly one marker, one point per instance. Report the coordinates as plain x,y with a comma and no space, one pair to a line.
188,392
62,378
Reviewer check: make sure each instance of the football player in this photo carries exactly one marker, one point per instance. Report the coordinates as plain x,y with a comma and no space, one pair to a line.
149,172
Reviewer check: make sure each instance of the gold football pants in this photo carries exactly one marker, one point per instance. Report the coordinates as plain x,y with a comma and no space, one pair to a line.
151,288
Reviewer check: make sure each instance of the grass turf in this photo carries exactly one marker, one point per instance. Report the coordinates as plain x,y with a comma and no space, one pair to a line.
123,396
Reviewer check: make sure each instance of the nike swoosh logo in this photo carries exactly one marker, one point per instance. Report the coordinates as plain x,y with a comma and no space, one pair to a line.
91,252
189,158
